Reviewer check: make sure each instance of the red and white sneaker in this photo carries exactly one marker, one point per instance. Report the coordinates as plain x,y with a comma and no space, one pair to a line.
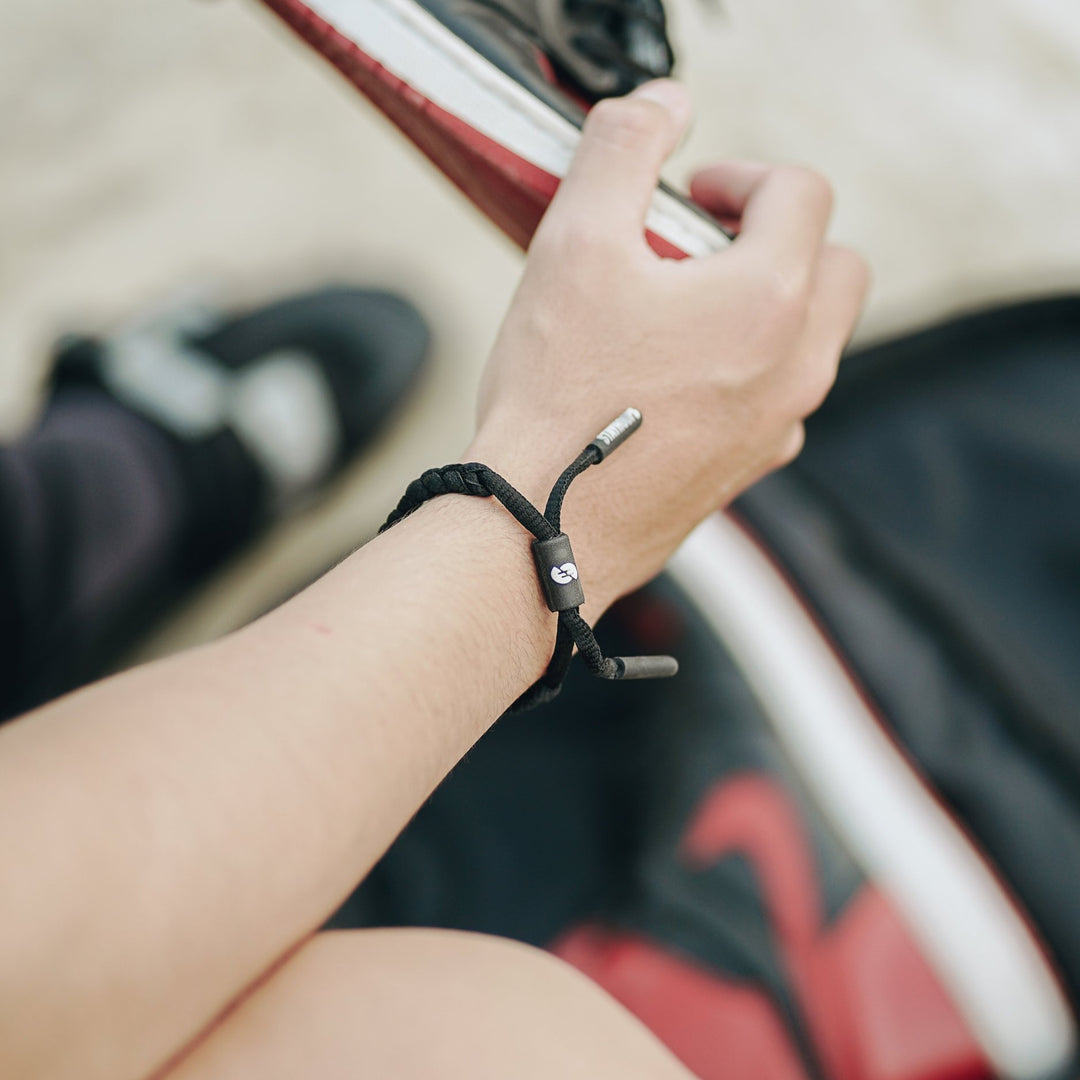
494,91
938,971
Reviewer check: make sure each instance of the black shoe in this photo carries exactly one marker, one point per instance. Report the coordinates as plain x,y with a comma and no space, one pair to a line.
287,393
166,449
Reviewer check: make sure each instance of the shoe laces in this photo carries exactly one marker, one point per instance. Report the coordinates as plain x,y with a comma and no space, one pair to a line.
628,34
627,38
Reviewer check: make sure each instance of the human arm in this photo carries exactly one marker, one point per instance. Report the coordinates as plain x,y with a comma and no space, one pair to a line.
178,829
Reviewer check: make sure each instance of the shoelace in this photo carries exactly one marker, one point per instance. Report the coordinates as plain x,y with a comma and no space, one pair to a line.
627,35
631,34
630,11
555,564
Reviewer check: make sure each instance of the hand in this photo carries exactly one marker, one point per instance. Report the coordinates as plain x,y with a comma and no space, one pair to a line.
724,356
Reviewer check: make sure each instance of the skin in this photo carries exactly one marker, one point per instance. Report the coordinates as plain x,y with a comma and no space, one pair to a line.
181,831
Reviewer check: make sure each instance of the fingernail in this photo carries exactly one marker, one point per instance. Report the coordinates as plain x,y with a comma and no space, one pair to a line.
672,95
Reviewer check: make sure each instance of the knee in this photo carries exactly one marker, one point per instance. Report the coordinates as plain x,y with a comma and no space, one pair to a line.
467,963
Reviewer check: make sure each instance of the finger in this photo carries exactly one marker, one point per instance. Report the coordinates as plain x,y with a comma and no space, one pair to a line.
624,143
784,210
841,282
723,189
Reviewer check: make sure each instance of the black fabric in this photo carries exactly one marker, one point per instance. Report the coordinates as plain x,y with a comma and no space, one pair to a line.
108,521
933,522
530,833
596,48
12,615
954,457
221,495
93,510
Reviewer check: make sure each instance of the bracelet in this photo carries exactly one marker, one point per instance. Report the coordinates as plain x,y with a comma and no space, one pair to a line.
554,558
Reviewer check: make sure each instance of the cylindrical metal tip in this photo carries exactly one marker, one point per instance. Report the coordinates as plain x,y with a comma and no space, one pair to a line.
617,432
646,667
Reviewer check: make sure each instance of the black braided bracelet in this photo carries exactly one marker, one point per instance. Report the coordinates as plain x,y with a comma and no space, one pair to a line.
554,558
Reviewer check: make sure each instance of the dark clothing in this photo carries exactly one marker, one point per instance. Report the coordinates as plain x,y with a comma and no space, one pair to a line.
103,524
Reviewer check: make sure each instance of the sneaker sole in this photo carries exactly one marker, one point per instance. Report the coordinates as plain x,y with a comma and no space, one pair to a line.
970,929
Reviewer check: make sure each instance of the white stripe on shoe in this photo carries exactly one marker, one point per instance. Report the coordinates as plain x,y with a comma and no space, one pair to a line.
283,410
151,369
279,405
970,932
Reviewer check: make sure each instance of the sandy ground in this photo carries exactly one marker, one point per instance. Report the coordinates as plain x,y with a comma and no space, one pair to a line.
145,146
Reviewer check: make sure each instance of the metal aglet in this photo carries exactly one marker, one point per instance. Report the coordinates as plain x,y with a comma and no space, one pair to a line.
641,667
616,433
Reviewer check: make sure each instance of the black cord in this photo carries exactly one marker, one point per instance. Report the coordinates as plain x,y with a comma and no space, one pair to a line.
555,564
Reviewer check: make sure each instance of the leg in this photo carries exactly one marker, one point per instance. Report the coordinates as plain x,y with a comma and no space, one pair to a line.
92,509
427,1004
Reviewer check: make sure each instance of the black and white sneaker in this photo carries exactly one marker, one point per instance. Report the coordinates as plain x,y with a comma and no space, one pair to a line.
165,449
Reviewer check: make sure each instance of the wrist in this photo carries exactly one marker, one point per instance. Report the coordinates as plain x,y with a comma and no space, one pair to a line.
530,465
525,460
494,571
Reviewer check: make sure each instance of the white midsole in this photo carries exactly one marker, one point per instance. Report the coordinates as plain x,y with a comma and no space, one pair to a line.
980,947
438,65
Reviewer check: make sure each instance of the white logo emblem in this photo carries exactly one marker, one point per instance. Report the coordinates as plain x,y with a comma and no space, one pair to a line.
563,575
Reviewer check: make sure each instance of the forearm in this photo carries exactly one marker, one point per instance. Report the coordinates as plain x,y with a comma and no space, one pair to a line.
170,833
177,828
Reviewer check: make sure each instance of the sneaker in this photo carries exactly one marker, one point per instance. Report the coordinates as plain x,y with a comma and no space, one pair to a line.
494,91
929,924
931,527
167,448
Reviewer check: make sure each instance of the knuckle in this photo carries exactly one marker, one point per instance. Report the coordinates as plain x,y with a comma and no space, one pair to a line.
787,290
583,248
571,233
595,244
625,122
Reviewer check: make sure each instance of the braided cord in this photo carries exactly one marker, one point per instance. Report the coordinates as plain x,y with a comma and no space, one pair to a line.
478,480
471,479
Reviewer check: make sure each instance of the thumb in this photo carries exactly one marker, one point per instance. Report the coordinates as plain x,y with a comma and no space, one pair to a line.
624,143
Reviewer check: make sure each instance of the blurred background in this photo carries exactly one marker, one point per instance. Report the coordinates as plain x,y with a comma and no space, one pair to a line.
146,147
